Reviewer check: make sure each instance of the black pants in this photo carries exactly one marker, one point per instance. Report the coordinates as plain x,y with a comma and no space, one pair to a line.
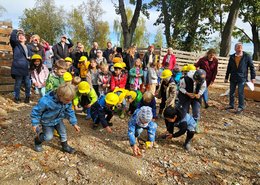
96,89
162,104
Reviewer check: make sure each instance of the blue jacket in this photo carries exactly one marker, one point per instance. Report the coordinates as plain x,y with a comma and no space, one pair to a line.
50,111
189,120
152,104
133,127
240,73
20,65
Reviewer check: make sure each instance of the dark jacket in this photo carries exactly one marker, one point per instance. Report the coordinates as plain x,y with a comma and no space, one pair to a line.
93,53
240,73
211,68
21,64
59,52
37,49
146,60
76,56
106,54
129,61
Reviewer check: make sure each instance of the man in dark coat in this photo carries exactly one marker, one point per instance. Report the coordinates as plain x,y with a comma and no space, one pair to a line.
237,68
108,52
93,51
61,49
20,65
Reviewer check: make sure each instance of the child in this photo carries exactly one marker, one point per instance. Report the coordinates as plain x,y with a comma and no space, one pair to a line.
141,119
118,79
39,74
83,67
152,77
184,70
177,74
92,76
177,117
167,90
121,106
132,100
50,112
87,96
136,74
75,81
67,77
102,111
71,69
104,79
55,78
148,100
192,87
159,70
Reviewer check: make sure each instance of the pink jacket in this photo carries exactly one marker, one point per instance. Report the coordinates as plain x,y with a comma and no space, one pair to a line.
172,61
40,78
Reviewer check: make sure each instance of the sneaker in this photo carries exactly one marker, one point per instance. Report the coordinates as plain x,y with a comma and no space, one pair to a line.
187,146
239,111
27,100
88,117
37,146
229,107
17,100
122,115
67,148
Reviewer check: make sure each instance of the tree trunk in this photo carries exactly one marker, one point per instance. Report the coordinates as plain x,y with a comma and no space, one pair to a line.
167,23
128,30
256,42
225,44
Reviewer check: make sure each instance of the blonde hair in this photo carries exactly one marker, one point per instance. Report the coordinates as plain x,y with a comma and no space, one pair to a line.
60,64
148,96
66,91
76,80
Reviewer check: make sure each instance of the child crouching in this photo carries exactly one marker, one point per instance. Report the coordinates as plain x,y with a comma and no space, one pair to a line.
141,119
50,111
177,117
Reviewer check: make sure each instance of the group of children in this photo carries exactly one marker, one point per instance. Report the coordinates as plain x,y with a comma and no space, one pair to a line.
100,92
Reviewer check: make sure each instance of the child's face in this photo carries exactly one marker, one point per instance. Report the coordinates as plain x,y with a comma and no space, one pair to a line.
60,72
118,71
138,63
37,62
129,99
69,64
93,64
104,69
109,105
172,120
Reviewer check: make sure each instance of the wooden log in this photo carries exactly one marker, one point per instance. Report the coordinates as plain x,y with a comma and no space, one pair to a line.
6,48
5,71
4,39
5,31
6,80
6,63
6,88
6,24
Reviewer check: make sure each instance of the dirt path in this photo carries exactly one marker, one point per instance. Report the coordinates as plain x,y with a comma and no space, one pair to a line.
226,152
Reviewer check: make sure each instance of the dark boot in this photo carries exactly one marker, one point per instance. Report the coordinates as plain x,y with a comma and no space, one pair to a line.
88,114
187,144
67,148
17,100
27,100
37,144
206,105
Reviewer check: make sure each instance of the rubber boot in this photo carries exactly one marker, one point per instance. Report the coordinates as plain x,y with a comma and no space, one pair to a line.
122,115
67,148
27,100
88,114
187,144
197,129
37,144
55,133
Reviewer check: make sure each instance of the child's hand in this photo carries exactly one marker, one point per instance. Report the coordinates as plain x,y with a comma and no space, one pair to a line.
88,105
191,95
77,128
36,84
34,128
78,108
108,129
136,150
197,96
170,136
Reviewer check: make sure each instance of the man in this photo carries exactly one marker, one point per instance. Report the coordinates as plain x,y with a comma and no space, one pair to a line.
61,49
238,65
20,64
108,52
93,51
149,58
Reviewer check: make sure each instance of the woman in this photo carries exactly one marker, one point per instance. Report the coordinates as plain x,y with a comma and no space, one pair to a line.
169,60
208,63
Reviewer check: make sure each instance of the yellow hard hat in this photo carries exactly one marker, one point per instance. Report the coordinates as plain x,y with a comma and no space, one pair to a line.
84,87
123,64
67,77
166,73
68,59
83,58
118,65
112,98
117,59
133,94
36,56
185,68
121,93
191,67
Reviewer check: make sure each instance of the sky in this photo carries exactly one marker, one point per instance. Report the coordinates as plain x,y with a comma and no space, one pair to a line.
15,10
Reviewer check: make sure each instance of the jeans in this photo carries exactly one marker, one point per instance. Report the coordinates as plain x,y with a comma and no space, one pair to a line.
205,95
151,131
195,105
40,90
145,72
241,86
47,132
18,84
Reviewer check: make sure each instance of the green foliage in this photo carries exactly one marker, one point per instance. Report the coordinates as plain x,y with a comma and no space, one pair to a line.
158,39
45,19
2,10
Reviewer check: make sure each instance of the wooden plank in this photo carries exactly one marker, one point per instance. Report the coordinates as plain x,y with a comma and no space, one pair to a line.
6,48
6,88
5,71
4,80
4,39
6,63
6,23
6,56
5,31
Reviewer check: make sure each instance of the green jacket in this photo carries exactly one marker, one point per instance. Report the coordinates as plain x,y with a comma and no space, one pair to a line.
53,81
92,96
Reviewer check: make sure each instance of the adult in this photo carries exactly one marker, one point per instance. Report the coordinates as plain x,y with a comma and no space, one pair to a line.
109,51
20,65
136,53
61,49
79,52
93,51
129,58
36,47
237,68
100,59
208,63
169,60
149,58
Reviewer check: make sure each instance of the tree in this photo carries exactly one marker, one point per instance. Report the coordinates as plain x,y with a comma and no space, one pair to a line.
117,30
45,19
2,10
128,29
77,28
225,44
158,39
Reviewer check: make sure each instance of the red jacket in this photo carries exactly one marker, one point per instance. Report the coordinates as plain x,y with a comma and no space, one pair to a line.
172,61
211,68
118,81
